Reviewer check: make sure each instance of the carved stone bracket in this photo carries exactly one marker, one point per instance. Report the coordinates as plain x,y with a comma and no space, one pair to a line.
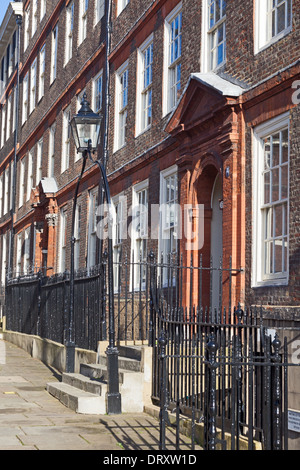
52,219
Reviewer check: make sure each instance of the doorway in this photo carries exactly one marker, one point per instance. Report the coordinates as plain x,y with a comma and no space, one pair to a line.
216,241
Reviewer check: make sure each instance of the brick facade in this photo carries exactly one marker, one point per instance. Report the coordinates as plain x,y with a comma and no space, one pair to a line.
208,133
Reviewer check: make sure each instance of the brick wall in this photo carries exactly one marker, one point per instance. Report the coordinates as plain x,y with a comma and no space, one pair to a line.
145,155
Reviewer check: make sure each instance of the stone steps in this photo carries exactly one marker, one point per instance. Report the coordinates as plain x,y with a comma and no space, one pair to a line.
76,399
85,392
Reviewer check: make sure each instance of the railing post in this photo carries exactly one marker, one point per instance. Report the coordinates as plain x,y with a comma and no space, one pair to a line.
163,390
212,405
38,323
277,397
103,300
151,315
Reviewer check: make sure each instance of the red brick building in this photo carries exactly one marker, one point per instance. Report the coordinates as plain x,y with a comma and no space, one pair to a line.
204,111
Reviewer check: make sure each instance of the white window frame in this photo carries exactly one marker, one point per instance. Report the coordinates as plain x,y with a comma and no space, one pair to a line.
78,106
42,66
259,277
63,239
82,27
11,185
26,27
43,9
121,105
92,228
77,229
39,161
51,161
70,17
25,98
54,46
34,17
14,110
208,32
263,37
139,233
19,254
121,5
6,190
66,140
118,207
144,86
3,124
171,65
9,117
33,71
10,59
99,10
4,259
26,262
98,96
29,175
22,183
166,226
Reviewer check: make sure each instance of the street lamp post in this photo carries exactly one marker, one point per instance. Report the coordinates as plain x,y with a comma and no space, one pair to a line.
85,128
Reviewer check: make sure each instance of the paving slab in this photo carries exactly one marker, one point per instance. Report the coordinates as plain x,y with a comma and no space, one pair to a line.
32,419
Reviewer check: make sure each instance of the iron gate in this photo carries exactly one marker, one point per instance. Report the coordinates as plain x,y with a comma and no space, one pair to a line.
221,368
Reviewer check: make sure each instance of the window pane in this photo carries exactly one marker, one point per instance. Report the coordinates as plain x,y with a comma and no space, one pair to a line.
267,153
220,53
278,256
217,3
285,255
223,7
211,16
268,258
285,228
273,23
278,214
268,214
275,149
281,18
284,181
289,12
267,187
285,146
275,185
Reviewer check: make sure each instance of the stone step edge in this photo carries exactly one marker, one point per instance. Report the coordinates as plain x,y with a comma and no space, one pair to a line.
82,382
77,400
100,372
125,363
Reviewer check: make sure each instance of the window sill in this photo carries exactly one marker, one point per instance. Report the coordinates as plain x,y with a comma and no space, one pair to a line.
271,283
218,68
67,62
272,41
143,131
120,148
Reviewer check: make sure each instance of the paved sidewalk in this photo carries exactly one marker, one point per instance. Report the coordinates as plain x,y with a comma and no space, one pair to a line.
31,419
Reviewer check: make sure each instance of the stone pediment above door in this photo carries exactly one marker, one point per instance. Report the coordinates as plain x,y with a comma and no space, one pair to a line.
45,190
205,95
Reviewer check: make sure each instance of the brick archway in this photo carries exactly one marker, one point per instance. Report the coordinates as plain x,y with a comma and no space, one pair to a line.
200,193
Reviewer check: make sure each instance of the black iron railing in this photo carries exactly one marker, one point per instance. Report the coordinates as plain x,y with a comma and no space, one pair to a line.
223,367
217,364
